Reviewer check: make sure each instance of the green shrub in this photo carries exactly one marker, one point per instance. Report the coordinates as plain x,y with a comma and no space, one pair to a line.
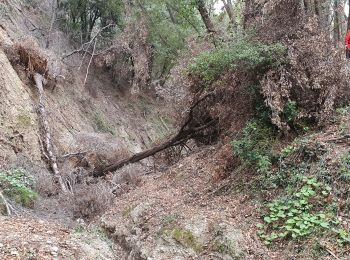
242,54
17,184
344,168
290,112
254,146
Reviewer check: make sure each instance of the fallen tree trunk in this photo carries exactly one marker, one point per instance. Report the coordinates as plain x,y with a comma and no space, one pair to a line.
184,134
45,129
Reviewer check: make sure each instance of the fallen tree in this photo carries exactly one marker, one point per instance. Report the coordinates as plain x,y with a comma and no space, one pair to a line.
186,132
45,129
36,63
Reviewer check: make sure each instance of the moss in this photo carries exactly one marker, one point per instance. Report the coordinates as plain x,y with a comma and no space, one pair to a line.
102,124
24,119
185,238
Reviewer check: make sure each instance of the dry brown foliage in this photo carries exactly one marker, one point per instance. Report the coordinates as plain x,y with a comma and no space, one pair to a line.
129,57
231,104
31,57
222,163
314,77
91,200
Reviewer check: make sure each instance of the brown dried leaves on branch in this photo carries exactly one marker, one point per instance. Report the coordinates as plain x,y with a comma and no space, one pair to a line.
314,78
315,75
31,57
129,58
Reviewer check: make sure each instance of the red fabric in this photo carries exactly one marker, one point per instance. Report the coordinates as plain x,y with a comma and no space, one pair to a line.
347,40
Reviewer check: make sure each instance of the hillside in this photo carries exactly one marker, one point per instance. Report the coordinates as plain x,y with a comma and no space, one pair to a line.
174,130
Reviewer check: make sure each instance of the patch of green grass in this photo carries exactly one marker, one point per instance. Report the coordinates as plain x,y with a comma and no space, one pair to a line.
342,119
344,167
126,213
342,111
17,184
290,112
5,10
102,124
167,220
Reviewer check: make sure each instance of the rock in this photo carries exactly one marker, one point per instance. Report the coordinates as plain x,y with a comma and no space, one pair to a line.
14,252
228,241
138,212
54,249
81,222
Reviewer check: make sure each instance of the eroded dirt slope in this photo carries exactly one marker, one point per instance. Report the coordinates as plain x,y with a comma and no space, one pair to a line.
182,214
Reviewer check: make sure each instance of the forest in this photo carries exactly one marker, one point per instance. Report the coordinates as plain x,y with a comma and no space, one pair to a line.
174,129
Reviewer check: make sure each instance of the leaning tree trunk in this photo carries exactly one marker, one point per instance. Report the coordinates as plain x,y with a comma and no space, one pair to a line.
230,12
205,16
185,133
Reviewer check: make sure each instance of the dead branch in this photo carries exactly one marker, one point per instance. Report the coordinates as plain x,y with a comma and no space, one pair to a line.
331,253
73,154
87,70
39,79
85,46
185,133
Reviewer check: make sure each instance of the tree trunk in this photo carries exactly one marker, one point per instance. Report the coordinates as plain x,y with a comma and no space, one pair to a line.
229,10
48,149
336,35
205,16
348,23
185,133
325,16
171,14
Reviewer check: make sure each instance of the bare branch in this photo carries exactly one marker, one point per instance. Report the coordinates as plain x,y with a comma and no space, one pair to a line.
87,70
85,46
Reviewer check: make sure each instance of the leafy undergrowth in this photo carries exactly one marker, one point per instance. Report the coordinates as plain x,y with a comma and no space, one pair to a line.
17,184
307,182
309,209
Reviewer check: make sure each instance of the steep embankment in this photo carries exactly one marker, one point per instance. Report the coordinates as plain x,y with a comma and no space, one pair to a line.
209,205
95,120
